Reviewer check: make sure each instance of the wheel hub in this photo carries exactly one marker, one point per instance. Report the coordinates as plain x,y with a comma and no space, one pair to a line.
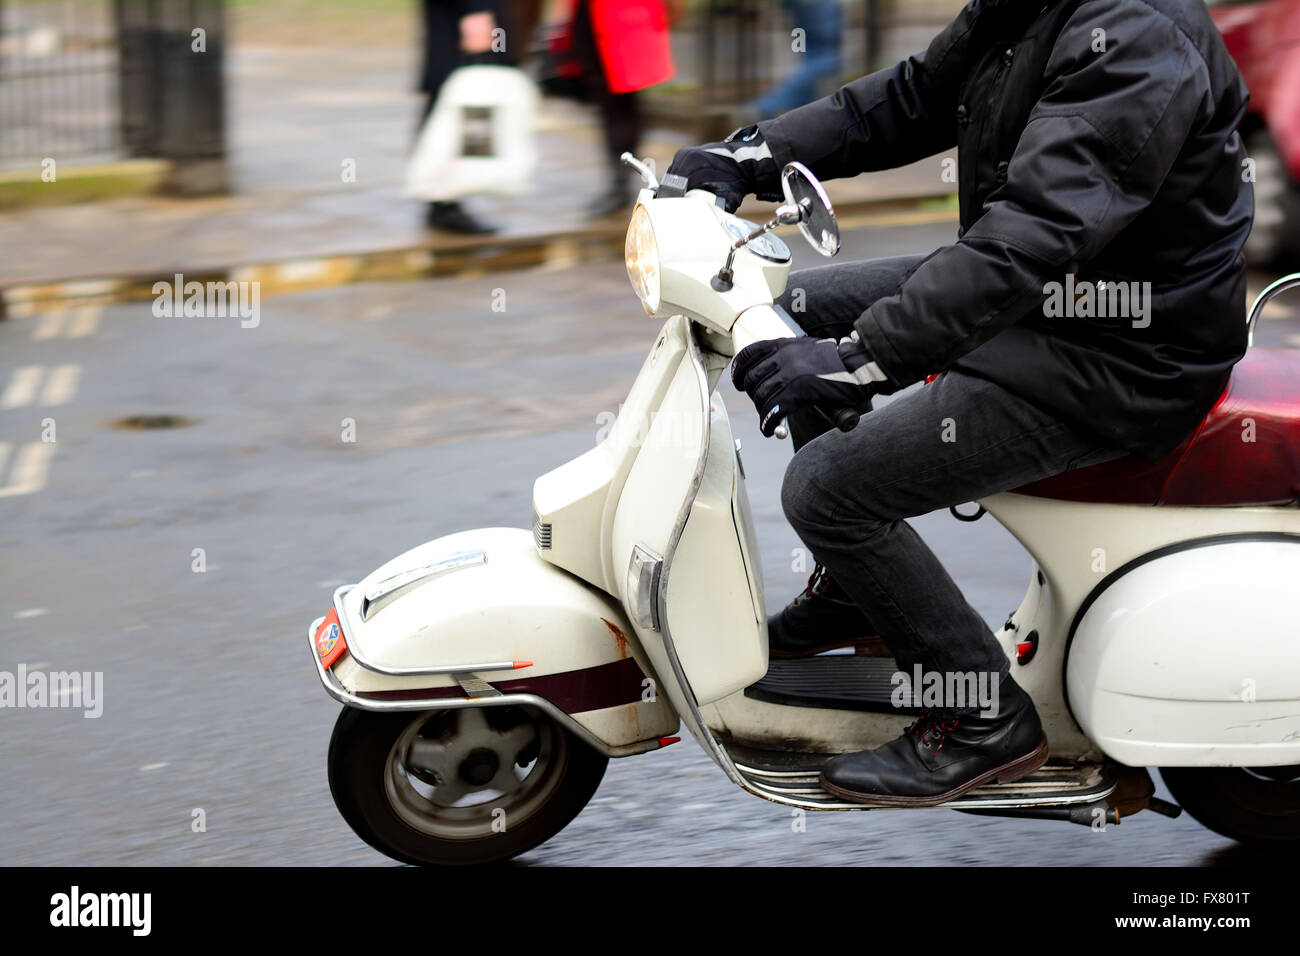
480,767
453,774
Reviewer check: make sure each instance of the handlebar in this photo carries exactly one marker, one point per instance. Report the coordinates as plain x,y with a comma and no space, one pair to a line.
845,419
772,322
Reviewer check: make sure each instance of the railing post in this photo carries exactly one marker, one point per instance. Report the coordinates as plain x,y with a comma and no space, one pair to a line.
171,69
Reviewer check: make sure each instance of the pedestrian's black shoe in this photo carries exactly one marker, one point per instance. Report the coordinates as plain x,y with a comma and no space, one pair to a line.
617,200
939,758
822,618
453,217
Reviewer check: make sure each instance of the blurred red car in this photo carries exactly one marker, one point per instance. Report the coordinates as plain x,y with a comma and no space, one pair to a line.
1264,40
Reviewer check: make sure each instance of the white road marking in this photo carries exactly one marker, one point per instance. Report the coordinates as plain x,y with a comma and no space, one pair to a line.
31,612
85,321
22,386
49,326
61,386
30,471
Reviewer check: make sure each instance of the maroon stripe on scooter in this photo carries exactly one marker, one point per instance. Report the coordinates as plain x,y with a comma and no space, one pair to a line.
574,692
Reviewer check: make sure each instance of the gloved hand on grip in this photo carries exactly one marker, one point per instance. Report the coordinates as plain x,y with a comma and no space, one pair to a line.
784,375
739,165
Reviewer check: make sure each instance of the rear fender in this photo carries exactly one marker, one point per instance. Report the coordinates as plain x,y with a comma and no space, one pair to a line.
479,619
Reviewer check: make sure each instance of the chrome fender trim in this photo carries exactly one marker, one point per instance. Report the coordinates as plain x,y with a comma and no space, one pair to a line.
349,699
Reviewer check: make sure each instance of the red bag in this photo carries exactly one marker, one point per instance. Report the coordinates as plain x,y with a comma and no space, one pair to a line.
632,36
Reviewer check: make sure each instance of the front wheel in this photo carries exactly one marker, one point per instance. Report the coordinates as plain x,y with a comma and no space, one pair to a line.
460,786
1252,805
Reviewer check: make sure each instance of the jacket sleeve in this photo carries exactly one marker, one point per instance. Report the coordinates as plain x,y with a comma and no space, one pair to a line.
886,119
1094,152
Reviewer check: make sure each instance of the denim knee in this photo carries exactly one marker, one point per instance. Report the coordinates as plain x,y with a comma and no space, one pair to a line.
804,502
810,507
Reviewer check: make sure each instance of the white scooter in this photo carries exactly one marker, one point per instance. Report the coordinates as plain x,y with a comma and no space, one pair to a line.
488,676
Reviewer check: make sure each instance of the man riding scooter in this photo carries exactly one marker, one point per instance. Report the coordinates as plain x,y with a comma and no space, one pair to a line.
1098,154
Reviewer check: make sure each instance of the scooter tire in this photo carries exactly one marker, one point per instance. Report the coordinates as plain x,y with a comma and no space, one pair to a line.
1260,807
358,762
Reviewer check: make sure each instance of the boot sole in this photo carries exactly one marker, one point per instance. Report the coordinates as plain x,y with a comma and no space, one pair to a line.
1006,773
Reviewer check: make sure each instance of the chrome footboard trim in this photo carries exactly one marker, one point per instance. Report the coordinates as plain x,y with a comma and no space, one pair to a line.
803,789
349,699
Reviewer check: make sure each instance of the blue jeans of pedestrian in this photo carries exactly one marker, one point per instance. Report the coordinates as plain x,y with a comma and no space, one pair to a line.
820,60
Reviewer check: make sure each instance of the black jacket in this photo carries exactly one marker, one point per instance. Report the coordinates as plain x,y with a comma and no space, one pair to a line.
442,38
1096,138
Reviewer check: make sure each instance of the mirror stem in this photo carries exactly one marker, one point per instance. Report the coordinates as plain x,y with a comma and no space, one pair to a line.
790,215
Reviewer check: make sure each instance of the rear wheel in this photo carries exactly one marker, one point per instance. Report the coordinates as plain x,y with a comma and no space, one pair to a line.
1252,805
460,786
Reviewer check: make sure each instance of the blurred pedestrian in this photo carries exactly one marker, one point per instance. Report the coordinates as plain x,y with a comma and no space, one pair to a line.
623,48
455,30
818,47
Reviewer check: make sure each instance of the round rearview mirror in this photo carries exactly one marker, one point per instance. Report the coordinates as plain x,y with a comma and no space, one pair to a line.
817,218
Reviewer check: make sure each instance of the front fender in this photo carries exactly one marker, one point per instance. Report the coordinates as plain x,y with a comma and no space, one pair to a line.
473,616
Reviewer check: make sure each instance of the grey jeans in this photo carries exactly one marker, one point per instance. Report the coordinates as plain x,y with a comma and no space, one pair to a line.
954,440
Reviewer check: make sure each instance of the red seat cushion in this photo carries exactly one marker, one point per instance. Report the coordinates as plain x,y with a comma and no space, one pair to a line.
1219,464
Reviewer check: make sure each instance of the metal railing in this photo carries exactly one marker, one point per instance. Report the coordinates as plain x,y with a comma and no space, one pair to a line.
96,80
58,80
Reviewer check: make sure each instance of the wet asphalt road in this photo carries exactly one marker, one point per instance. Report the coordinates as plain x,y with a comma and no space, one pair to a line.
210,700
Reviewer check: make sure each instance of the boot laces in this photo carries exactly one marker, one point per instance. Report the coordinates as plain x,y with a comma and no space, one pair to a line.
818,583
932,728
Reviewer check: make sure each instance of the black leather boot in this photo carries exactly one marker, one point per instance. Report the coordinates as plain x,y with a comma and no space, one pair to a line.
822,618
453,217
939,757
618,198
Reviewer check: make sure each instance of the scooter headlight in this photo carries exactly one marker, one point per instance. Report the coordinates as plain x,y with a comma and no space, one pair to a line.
641,255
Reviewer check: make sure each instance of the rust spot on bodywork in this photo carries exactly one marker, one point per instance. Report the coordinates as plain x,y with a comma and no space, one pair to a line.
619,637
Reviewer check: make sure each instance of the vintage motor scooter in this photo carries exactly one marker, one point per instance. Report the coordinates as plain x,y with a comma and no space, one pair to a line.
488,676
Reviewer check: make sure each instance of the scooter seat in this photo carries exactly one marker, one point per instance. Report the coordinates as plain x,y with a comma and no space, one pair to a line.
1245,452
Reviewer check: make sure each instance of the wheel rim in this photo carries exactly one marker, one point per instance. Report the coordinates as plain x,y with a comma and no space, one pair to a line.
473,772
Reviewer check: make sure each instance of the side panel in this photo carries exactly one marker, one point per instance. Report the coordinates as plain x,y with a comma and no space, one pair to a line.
1193,659
1076,545
513,606
577,500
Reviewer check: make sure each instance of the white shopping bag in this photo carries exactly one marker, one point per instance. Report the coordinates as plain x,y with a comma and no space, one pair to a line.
479,137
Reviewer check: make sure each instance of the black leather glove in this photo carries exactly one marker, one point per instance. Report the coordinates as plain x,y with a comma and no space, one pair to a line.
784,375
739,165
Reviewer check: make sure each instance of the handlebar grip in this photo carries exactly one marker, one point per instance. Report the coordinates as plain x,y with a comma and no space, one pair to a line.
845,419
